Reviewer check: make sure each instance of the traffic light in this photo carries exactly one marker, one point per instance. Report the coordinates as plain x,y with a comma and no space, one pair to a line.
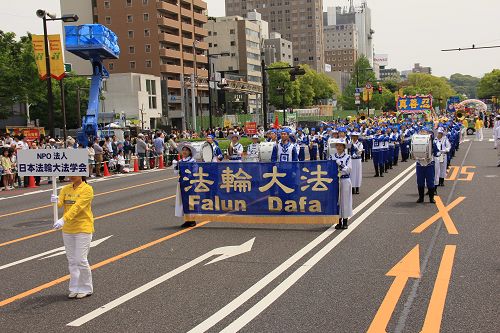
296,71
380,89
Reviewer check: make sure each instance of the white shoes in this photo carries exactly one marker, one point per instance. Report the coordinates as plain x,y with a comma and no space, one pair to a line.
82,295
78,295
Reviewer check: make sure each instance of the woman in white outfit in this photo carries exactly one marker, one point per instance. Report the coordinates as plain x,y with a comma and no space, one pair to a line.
344,164
356,153
187,152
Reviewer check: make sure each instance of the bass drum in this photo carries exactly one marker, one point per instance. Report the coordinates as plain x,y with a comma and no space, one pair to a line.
266,151
207,152
198,146
421,147
331,148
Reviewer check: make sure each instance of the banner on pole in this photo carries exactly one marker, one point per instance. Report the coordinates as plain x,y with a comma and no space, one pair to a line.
414,104
291,192
39,50
52,162
57,69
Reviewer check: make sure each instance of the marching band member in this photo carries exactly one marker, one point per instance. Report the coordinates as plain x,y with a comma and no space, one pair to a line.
253,149
496,125
443,146
368,142
405,146
284,151
396,137
378,162
313,145
425,172
235,150
356,151
321,142
218,156
187,153
343,161
303,142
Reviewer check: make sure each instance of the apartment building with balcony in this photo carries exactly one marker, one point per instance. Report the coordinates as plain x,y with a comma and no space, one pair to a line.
164,38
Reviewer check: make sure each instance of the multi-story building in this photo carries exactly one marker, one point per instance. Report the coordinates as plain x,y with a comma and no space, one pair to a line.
420,69
299,21
278,49
341,46
240,38
361,18
162,38
389,74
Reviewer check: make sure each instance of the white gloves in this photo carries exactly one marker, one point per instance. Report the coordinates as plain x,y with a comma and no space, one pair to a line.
339,162
59,224
438,154
54,198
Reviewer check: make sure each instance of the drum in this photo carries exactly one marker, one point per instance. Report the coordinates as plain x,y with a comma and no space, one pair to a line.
207,152
331,148
421,147
198,145
266,151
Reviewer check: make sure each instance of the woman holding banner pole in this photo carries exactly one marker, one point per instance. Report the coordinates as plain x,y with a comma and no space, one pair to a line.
344,164
187,153
77,226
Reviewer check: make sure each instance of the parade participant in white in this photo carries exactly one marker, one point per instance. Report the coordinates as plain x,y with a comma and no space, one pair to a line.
443,145
496,126
253,150
187,153
284,151
235,150
344,164
217,152
356,152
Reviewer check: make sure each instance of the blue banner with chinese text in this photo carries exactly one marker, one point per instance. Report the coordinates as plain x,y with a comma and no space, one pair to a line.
291,192
408,104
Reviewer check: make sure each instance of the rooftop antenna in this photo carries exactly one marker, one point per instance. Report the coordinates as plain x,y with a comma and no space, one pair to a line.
351,6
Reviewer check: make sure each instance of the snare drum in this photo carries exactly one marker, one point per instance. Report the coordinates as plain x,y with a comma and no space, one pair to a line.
421,147
266,151
198,146
331,148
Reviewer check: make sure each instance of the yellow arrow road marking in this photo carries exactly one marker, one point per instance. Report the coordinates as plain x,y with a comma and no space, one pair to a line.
432,323
408,267
442,213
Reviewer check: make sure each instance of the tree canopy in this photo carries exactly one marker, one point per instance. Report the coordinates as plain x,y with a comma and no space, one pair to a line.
489,85
464,84
424,84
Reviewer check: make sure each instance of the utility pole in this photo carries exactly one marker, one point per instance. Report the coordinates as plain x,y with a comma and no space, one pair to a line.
142,117
50,96
264,93
194,80
63,107
193,101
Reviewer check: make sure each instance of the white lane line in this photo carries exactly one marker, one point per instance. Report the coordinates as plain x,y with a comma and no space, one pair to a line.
265,302
249,293
90,181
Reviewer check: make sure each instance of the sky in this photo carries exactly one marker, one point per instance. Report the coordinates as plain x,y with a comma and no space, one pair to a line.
409,31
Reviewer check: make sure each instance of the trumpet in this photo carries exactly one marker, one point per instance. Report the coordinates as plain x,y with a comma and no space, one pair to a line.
460,116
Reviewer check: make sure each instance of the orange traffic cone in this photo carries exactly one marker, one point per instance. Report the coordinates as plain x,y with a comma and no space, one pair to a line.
136,165
31,183
161,163
106,170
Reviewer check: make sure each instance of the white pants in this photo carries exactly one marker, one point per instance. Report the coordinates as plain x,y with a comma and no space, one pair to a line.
179,208
479,134
345,198
356,172
77,248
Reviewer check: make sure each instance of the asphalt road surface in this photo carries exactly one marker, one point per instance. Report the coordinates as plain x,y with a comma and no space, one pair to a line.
395,269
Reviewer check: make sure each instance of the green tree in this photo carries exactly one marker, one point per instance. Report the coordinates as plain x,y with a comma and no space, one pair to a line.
424,84
362,74
489,85
465,84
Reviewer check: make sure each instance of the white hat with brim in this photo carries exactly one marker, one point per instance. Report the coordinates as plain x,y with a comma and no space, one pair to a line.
255,136
341,142
188,145
231,136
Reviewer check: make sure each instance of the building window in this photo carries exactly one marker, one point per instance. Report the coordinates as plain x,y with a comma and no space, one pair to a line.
146,16
151,90
144,2
147,32
130,18
129,3
132,64
231,32
111,66
148,64
233,43
130,34
131,49
148,48
106,4
107,19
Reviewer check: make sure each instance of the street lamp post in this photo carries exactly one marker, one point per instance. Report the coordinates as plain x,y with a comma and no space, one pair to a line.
210,56
282,92
50,97
193,87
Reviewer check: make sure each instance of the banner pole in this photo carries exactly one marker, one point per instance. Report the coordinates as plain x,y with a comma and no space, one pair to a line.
54,192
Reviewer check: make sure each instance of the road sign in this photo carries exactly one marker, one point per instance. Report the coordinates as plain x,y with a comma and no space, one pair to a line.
52,162
68,68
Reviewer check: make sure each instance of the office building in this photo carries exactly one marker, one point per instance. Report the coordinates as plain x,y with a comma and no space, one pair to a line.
420,69
240,38
298,21
161,38
341,47
278,49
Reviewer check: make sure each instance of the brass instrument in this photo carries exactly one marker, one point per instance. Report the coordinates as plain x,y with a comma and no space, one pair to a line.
460,116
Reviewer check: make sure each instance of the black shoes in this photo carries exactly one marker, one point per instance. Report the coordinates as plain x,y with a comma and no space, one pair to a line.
188,224
344,223
420,194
